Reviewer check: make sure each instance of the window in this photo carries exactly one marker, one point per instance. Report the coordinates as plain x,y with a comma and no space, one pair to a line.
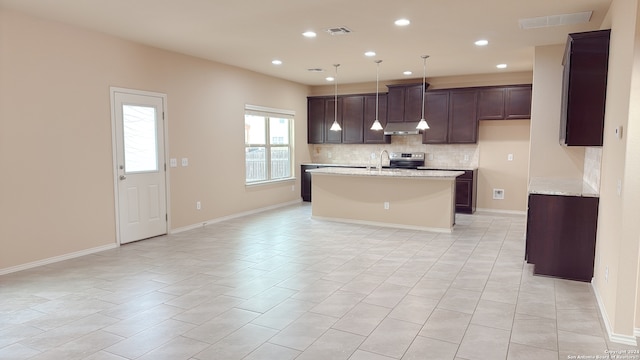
268,144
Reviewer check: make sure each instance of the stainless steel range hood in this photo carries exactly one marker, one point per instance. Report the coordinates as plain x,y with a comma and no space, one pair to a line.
401,128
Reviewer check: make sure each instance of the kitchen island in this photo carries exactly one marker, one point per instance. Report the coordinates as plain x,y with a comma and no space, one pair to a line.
410,199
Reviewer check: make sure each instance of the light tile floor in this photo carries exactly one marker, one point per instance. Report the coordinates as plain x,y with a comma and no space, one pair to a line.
280,285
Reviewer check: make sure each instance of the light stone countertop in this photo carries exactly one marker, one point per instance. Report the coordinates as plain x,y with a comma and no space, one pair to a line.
425,167
565,187
399,173
447,167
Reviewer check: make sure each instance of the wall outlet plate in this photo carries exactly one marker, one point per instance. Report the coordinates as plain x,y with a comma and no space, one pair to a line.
498,194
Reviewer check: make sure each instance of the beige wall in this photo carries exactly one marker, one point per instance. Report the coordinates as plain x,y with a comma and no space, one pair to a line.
618,227
56,186
548,157
498,139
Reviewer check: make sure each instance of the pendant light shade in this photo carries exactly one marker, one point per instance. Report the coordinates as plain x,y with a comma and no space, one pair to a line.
335,126
422,125
376,123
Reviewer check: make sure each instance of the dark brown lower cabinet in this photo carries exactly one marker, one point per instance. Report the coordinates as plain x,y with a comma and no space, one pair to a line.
466,189
561,235
305,182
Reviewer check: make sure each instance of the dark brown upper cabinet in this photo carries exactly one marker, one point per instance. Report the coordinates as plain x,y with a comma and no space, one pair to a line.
437,116
405,103
352,119
517,103
373,136
463,118
321,114
504,102
584,88
315,120
452,116
330,136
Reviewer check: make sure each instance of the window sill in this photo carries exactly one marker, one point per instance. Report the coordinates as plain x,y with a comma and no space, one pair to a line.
269,182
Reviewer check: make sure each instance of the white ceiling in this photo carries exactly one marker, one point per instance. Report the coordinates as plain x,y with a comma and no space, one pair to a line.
251,33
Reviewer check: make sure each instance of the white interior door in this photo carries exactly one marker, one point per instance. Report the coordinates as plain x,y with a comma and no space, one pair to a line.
140,165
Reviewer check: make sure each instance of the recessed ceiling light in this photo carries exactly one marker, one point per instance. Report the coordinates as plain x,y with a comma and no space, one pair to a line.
407,72
276,62
402,22
501,66
482,42
370,53
309,34
330,78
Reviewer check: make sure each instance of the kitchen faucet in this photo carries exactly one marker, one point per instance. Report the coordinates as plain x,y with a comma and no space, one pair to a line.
380,158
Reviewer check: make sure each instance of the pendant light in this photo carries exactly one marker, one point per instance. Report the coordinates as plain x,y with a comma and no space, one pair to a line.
335,126
422,125
376,123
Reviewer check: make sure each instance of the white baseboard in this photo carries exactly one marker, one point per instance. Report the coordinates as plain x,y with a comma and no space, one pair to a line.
504,212
232,216
613,337
636,332
55,259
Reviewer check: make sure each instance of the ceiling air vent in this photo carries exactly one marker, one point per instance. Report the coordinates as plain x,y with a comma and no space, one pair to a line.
341,30
315,70
555,20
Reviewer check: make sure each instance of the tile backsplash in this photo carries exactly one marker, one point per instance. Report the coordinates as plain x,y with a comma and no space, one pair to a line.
592,164
450,155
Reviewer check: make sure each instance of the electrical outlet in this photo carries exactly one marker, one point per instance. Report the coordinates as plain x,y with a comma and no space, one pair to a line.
329,154
185,162
386,205
198,205
498,194
373,156
430,156
510,157
466,157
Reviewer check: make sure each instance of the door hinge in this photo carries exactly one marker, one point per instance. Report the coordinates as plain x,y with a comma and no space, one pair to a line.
166,217
163,115
165,166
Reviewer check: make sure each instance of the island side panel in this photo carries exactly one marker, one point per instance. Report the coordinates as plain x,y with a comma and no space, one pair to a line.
423,203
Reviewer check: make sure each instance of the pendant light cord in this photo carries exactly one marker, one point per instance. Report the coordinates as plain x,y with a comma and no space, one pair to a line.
424,80
377,81
335,107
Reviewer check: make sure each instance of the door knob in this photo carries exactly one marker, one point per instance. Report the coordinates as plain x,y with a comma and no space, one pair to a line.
122,177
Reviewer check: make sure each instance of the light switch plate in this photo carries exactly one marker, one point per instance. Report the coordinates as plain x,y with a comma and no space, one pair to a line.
173,162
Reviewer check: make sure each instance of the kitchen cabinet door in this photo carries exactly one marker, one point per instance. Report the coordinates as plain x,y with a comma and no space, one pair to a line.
437,116
413,103
491,103
373,136
404,103
463,120
466,192
330,136
305,181
395,103
315,120
518,102
584,88
561,235
353,119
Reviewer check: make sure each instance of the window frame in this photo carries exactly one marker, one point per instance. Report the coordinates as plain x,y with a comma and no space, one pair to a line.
268,114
